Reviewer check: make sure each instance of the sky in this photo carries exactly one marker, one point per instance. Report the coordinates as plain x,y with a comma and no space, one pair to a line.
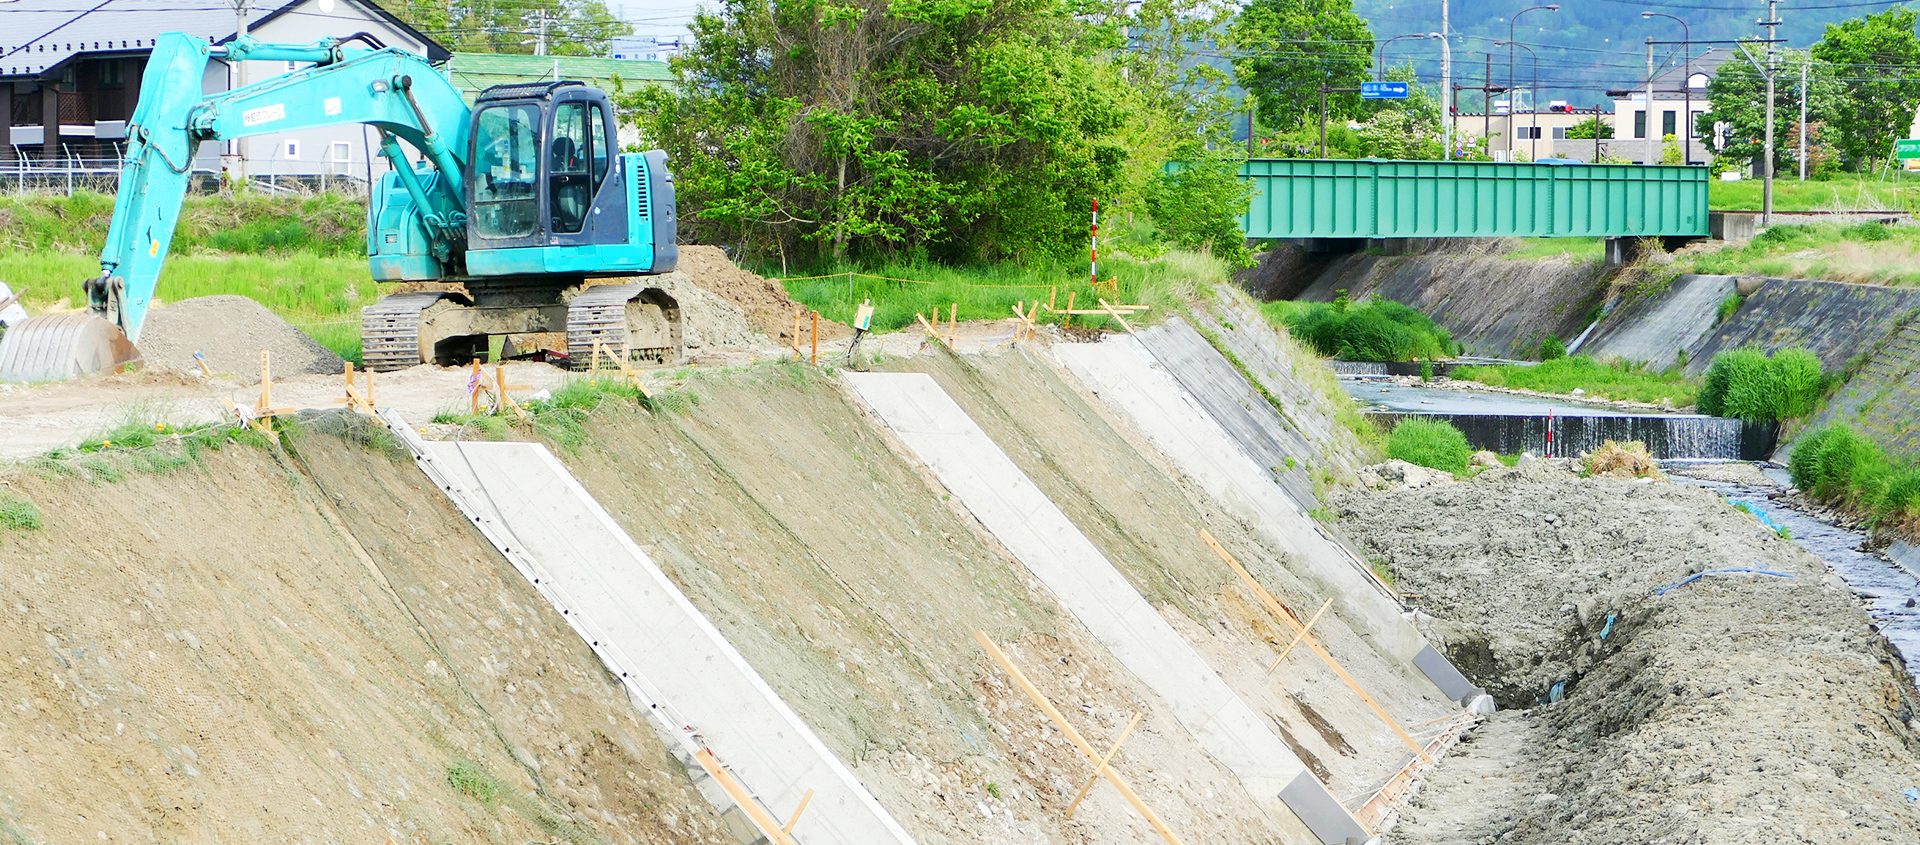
655,17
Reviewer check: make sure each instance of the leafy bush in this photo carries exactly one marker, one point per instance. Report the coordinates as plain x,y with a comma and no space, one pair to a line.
1840,466
1552,349
1780,235
1749,385
1376,330
1872,230
1434,444
473,782
1198,207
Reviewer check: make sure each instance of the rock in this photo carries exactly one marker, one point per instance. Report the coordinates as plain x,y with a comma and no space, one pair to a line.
1401,475
1484,458
1578,391
1526,458
1482,705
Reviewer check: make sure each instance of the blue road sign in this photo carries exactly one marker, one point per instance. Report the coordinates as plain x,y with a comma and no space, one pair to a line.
1383,90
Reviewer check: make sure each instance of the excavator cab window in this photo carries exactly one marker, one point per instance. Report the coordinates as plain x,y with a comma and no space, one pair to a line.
506,202
569,170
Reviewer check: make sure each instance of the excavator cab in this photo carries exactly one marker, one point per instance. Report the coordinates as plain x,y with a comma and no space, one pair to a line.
550,192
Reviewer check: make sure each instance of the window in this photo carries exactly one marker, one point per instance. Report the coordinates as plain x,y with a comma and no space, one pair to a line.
1640,124
601,149
506,147
569,172
1559,133
1526,133
1667,124
291,151
339,152
113,74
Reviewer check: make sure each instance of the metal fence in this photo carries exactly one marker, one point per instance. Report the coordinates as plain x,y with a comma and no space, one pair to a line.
26,172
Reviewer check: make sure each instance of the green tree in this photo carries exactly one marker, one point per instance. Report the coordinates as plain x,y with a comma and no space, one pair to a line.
1287,50
1406,129
1738,100
953,129
1877,57
1587,129
577,27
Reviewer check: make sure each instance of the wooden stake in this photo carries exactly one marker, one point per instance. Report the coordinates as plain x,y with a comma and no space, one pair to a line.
356,400
755,813
626,372
816,338
1300,636
1287,616
796,333
1116,316
1070,308
1095,777
953,326
1059,721
501,386
1053,296
931,330
796,813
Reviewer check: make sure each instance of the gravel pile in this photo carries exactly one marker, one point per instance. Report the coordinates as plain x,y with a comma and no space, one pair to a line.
1735,707
765,301
230,332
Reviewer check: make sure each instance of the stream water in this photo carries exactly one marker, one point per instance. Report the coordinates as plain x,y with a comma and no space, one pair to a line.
1510,424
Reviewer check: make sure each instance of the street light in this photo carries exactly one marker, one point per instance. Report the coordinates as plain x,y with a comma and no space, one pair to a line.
1686,84
1533,114
1379,64
1513,101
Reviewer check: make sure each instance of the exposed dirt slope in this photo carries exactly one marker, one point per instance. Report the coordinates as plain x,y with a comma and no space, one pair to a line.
767,305
232,652
1738,708
855,589
1147,520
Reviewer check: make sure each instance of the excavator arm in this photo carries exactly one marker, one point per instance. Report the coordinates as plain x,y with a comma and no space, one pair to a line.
393,90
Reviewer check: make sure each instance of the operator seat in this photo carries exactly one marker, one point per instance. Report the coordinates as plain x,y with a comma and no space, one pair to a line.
571,188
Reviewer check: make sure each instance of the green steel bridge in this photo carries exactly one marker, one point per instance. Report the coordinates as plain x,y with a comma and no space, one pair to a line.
1304,198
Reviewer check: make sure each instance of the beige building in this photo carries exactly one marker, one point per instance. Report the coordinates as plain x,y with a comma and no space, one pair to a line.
1532,135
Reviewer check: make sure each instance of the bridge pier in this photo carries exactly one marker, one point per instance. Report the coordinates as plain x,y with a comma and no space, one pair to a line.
1622,251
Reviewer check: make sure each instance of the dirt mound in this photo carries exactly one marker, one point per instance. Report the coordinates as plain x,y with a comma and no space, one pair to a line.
1733,707
229,332
1622,460
765,301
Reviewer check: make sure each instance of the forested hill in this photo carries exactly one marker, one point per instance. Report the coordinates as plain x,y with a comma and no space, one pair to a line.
1588,45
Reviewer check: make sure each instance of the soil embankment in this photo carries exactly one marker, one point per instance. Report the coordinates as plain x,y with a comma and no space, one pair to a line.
256,647
1738,707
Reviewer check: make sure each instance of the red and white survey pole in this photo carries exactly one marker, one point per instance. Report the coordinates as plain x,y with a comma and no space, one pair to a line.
1549,432
1093,251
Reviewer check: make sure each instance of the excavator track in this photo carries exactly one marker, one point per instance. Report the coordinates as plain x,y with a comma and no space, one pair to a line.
390,331
642,321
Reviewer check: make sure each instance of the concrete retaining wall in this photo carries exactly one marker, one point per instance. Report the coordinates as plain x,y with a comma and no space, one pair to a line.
1883,399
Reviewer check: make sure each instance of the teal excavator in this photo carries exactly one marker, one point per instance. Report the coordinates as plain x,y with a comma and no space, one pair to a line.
514,203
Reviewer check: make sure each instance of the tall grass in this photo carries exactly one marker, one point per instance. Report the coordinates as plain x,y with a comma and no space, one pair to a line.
1848,192
1374,330
1750,385
1435,444
990,292
325,224
1866,253
1840,466
1619,380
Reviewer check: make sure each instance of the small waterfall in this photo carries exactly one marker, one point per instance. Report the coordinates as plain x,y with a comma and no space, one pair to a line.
1668,436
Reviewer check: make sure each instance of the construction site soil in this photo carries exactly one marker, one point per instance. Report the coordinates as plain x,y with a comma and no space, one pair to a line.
303,647
230,332
1739,707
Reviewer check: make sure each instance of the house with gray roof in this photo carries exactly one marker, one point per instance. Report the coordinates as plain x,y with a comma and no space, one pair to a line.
70,77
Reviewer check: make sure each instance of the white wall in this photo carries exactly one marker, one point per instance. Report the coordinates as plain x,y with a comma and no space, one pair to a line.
267,154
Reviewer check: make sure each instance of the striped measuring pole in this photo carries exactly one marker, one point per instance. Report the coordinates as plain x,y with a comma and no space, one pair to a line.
1093,252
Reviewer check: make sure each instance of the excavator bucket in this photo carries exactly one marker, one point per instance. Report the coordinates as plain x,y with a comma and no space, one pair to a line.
63,346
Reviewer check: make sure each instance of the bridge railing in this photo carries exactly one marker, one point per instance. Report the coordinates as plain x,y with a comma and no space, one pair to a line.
1310,198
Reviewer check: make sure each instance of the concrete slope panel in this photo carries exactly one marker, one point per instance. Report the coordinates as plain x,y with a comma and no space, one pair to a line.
1128,377
1655,330
1035,530
693,682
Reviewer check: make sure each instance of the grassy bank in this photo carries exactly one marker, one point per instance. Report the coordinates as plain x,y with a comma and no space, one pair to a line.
1846,192
249,223
1621,381
1866,253
1373,330
321,294
899,291
1843,468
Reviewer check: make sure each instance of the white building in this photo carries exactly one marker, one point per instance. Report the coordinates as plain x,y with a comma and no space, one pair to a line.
80,74
1679,98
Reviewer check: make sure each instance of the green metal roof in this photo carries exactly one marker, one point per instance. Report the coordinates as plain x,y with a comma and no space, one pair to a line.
475,72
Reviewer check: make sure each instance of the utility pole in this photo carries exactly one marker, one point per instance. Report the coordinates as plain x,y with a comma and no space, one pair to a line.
1486,113
541,20
1772,24
1446,83
237,168
1646,114
1803,116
